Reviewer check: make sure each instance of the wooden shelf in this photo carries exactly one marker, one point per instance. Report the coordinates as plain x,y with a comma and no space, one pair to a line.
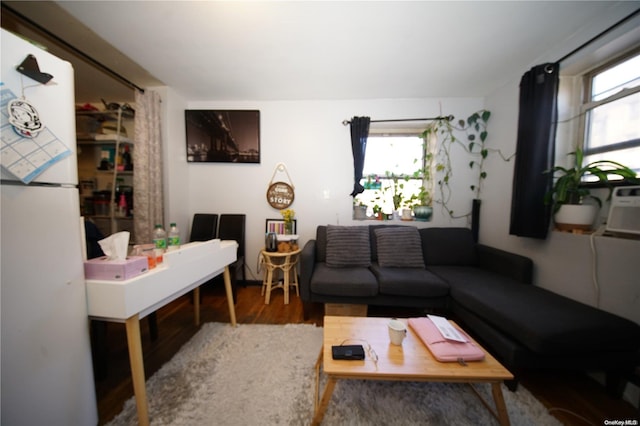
107,115
103,140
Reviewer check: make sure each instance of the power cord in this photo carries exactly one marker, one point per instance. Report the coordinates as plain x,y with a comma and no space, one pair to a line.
373,356
551,410
594,261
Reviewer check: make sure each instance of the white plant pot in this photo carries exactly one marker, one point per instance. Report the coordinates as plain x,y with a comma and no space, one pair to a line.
359,212
576,216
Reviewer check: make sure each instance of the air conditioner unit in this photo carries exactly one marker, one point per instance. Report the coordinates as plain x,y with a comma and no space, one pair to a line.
624,214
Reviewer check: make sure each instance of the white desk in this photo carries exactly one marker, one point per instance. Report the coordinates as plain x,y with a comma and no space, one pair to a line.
129,301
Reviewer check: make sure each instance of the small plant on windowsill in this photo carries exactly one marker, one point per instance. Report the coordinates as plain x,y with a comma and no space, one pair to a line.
421,203
422,207
359,209
377,212
569,190
397,188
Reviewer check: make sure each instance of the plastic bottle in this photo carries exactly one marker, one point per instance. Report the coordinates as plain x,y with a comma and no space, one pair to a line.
122,206
174,237
160,242
126,159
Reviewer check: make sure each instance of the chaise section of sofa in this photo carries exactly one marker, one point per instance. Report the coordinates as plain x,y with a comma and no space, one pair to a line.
524,325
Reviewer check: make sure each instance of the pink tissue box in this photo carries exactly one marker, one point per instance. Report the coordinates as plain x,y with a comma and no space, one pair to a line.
118,270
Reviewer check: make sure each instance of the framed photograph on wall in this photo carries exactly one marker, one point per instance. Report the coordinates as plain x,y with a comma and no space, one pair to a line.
222,136
277,226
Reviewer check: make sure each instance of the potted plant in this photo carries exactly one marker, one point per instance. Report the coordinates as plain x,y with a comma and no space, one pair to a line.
359,210
422,209
421,203
397,188
569,192
377,212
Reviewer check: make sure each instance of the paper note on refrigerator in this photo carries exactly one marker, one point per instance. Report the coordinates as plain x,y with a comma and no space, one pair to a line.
24,156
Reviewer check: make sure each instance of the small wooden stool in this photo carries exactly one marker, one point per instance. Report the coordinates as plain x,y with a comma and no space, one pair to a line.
285,262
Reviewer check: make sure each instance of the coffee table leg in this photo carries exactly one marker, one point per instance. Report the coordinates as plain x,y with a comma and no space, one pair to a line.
324,402
501,407
317,368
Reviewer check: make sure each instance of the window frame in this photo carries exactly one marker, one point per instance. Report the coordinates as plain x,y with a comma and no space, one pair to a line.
587,105
399,132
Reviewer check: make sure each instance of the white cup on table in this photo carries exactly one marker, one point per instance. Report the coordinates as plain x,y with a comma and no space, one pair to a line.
397,331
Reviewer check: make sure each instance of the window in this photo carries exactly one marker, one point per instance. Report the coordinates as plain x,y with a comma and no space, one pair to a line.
393,172
611,112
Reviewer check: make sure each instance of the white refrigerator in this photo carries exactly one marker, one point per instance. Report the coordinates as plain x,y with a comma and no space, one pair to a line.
46,368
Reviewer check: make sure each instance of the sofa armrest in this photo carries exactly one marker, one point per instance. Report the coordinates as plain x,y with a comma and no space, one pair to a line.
515,266
307,265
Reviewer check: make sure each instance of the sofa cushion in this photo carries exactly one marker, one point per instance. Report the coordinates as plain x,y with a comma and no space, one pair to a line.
399,247
374,240
541,320
417,282
352,282
348,246
448,246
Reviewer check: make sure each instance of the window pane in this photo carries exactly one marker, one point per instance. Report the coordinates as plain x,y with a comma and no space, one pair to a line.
383,195
399,155
391,155
629,157
623,76
614,122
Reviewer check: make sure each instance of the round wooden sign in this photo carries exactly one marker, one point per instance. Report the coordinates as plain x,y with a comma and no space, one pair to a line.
280,195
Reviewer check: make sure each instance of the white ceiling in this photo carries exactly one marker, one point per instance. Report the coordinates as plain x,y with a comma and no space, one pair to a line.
212,50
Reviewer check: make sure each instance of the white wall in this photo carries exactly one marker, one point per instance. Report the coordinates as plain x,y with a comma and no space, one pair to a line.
564,263
310,139
174,157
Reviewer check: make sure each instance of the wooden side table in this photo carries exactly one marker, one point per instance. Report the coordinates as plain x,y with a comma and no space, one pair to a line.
285,262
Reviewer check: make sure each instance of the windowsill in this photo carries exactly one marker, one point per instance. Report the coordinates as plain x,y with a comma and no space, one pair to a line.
598,233
394,220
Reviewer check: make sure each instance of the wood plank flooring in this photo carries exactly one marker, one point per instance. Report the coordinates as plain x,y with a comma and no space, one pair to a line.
574,399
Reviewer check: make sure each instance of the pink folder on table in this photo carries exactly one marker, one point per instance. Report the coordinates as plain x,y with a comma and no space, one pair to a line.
443,349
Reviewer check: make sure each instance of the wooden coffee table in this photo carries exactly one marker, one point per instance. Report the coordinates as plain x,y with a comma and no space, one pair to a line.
410,362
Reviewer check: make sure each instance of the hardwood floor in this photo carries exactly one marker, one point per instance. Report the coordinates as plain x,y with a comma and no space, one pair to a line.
574,399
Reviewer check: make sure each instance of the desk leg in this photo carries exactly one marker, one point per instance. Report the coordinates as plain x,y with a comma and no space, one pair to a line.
137,369
196,306
501,407
227,285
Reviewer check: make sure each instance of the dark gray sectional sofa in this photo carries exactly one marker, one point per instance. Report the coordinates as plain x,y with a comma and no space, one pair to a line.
488,290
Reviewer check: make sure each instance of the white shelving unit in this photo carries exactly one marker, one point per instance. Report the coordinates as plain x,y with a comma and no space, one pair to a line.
96,181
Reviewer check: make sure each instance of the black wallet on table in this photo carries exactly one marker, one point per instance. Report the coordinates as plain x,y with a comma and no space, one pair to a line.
354,352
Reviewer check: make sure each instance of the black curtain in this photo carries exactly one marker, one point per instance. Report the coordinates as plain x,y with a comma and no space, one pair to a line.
359,134
535,151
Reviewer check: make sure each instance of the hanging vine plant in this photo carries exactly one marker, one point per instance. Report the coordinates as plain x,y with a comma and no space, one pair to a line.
474,129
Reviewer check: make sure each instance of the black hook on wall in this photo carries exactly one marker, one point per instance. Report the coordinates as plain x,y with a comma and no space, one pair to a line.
31,69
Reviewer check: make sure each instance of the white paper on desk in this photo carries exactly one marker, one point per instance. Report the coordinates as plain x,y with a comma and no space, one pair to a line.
116,246
448,331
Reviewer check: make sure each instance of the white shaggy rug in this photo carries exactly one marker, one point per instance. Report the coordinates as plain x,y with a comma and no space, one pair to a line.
264,375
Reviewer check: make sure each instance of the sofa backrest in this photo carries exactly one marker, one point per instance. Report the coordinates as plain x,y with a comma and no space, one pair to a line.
321,243
440,246
448,246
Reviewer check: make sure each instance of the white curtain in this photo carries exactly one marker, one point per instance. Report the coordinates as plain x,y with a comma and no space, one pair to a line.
147,159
